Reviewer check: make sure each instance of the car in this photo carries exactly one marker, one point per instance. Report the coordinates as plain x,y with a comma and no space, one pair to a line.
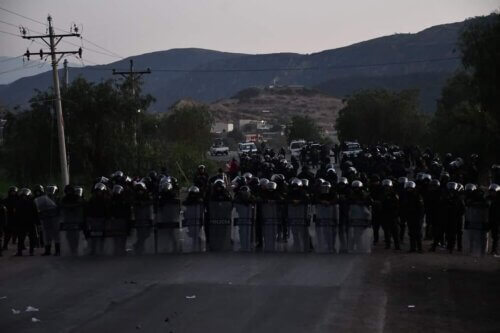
349,149
247,148
219,148
296,147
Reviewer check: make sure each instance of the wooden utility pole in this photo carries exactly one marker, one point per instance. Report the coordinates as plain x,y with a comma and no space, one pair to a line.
133,76
52,40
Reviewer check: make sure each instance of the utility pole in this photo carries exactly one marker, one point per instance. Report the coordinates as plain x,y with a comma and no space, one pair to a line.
53,40
133,76
66,74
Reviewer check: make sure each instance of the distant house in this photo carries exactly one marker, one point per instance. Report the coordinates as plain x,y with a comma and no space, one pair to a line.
221,127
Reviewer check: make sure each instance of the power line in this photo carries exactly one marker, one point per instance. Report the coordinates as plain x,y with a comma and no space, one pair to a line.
10,33
19,68
276,69
44,24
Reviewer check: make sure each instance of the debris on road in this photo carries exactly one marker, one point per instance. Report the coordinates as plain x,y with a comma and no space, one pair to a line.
138,327
191,297
3,297
429,278
14,311
411,306
30,308
35,320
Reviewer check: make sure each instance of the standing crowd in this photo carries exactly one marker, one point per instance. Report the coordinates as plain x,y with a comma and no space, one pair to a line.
266,202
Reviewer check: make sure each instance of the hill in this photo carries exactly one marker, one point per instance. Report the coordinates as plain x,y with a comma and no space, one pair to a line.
207,75
278,104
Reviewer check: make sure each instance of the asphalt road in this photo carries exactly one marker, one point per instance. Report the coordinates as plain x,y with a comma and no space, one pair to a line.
233,292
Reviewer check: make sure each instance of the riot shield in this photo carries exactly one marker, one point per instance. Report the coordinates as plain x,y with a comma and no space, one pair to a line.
298,222
271,220
115,236
95,239
193,222
167,228
49,219
475,242
72,239
220,214
326,225
360,233
142,234
244,223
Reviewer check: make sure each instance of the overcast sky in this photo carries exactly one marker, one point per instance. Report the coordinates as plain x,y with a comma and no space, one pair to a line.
129,27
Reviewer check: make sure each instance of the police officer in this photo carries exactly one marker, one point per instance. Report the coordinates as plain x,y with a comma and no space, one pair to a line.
343,192
10,203
433,214
454,212
390,214
72,208
494,199
26,221
376,192
413,208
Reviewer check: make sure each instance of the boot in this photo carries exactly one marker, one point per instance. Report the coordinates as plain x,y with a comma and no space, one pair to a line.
47,250
58,249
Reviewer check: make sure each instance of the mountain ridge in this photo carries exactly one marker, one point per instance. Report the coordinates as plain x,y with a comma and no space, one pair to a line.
208,75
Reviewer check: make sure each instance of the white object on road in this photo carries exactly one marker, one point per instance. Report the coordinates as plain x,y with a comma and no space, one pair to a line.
14,311
411,306
3,297
191,297
35,320
30,308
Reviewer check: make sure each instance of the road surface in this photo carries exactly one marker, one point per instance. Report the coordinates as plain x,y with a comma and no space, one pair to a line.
259,292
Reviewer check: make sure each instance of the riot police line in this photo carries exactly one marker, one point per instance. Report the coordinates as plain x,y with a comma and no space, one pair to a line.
276,209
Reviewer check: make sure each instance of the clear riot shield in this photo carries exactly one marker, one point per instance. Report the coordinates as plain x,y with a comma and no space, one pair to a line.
475,240
244,222
298,222
220,214
167,228
49,219
193,221
326,225
95,239
360,234
73,241
115,236
271,220
142,234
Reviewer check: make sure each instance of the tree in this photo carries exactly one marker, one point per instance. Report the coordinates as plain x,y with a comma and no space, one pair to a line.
303,127
374,116
103,128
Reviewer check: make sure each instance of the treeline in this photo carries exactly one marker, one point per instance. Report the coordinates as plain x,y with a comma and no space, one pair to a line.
467,119
107,129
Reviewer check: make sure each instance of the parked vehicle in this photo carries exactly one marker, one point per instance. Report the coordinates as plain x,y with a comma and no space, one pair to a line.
247,147
350,149
296,147
219,148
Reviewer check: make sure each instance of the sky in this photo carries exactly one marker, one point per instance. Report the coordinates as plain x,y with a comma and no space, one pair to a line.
131,27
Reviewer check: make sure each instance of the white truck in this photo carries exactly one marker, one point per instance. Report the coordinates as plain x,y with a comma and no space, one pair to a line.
296,147
219,148
349,149
247,147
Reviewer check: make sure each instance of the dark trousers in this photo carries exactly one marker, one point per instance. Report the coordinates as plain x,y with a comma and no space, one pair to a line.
402,229
494,236
437,233
21,237
415,233
391,232
454,233
376,226
8,235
